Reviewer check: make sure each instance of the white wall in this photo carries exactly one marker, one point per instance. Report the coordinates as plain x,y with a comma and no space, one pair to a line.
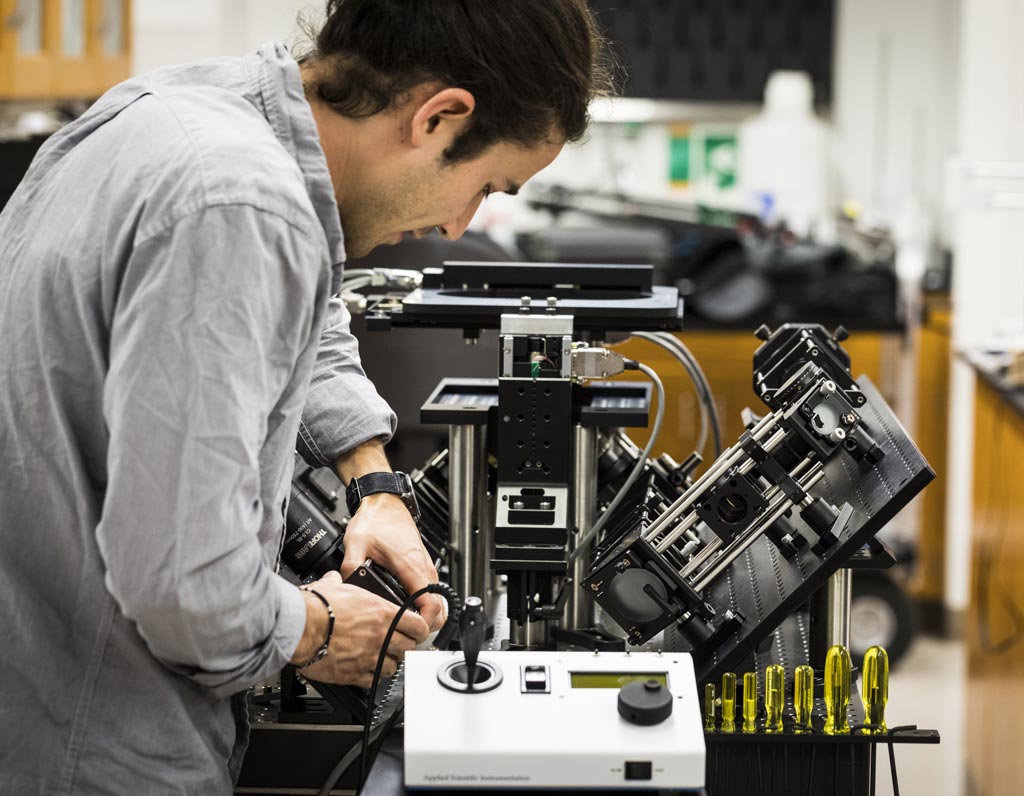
189,30
894,113
988,291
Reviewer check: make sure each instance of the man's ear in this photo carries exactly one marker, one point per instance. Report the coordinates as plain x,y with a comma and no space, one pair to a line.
440,116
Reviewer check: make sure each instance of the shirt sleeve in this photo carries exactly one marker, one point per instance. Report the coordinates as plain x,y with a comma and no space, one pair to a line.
211,317
343,409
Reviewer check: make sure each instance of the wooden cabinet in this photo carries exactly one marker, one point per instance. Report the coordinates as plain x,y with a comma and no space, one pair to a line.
112,41
63,49
71,50
995,623
932,437
26,31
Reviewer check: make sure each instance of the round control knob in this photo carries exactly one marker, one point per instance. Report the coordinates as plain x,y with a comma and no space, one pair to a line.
631,601
645,702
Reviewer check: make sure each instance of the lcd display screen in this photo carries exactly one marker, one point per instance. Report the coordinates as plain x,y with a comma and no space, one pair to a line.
614,679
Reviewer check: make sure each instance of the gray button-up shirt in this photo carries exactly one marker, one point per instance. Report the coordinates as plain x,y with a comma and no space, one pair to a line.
165,270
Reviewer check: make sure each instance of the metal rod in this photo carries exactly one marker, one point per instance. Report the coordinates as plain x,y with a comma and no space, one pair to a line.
728,458
840,593
528,635
466,477
684,525
712,547
579,607
745,468
777,509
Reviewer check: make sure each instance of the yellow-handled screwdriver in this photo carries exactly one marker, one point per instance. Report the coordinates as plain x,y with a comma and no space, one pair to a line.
750,702
803,698
837,690
875,689
709,707
774,697
729,702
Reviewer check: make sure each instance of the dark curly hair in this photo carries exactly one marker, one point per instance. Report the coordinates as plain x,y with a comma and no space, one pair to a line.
533,66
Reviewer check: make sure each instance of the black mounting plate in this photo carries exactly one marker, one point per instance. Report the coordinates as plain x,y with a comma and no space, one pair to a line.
601,404
474,296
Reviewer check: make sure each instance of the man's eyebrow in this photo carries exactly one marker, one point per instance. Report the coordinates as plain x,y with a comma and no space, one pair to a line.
511,189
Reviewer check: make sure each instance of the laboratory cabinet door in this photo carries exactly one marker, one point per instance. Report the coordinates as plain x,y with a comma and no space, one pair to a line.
63,49
111,37
26,65
74,64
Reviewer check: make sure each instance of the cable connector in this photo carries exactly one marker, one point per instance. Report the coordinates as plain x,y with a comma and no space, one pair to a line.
595,363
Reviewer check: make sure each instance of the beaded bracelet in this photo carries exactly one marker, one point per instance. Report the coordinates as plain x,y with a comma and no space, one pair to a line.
322,652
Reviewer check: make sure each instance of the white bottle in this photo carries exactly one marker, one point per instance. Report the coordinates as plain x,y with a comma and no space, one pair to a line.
784,158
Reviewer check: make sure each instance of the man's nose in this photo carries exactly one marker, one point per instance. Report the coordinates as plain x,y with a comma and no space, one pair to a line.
454,229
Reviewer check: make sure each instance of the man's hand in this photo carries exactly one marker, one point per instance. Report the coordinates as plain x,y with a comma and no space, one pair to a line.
361,620
383,531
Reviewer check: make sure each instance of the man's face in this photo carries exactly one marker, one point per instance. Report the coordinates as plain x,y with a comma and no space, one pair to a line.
423,195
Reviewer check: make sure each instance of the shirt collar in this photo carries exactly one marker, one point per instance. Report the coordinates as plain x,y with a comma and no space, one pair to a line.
288,112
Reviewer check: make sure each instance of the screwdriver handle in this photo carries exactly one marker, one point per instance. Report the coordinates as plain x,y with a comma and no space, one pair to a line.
803,698
750,702
774,697
729,702
875,689
837,690
709,707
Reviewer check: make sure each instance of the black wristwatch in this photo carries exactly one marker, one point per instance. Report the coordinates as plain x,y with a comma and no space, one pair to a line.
374,483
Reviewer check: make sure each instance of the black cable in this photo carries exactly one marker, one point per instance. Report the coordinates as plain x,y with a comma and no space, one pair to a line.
874,768
355,752
892,770
810,776
641,463
892,756
454,609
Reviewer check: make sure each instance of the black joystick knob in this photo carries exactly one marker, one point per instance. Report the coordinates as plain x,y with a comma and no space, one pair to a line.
645,702
472,634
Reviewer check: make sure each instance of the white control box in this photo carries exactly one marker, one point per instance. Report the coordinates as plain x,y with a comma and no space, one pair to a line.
552,721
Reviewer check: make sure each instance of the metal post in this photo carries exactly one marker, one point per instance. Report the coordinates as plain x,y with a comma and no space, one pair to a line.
579,608
840,593
466,479
529,635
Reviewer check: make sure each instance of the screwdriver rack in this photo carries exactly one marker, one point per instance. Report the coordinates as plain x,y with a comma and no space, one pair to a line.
808,764
800,764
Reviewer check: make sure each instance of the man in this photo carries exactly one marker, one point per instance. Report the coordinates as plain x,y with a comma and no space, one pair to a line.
165,273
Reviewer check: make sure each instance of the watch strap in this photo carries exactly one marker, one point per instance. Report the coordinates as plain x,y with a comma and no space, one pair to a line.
373,484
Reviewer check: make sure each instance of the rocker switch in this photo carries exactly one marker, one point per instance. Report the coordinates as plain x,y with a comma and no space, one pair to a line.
535,680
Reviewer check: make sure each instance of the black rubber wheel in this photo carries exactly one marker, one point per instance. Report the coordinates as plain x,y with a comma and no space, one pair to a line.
880,613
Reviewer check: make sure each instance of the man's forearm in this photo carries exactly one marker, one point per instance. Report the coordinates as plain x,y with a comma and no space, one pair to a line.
367,458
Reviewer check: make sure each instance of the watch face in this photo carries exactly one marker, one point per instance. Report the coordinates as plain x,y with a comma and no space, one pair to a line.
352,497
409,496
